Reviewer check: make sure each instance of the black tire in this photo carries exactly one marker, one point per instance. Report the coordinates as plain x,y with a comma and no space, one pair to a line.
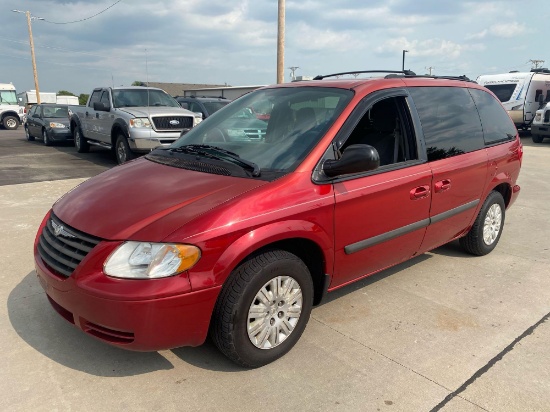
485,233
537,138
45,138
28,135
123,153
10,122
231,318
80,143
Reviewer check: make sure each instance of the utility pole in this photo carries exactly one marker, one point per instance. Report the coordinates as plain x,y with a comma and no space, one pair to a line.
536,63
430,69
292,71
29,18
403,65
281,42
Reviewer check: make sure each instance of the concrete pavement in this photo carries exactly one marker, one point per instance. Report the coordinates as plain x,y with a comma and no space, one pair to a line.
445,331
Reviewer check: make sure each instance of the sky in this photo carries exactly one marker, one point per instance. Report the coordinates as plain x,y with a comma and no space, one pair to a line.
234,42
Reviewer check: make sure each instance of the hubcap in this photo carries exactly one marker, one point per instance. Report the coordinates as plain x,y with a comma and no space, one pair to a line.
11,123
121,150
274,312
492,224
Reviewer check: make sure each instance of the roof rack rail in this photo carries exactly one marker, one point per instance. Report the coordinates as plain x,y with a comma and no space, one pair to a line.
463,78
405,72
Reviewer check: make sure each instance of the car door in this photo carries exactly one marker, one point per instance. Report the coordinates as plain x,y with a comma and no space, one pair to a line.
381,216
34,124
89,121
104,120
456,154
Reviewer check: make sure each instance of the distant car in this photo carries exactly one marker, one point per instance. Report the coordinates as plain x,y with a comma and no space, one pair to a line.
204,105
50,122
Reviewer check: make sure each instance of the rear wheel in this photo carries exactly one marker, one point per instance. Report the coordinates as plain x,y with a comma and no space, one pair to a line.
46,138
263,308
485,233
537,138
10,122
28,135
81,145
123,152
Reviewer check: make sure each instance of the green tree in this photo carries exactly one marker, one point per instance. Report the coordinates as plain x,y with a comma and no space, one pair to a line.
138,83
65,93
83,98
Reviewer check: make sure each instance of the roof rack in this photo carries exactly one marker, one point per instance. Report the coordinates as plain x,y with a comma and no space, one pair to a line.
405,72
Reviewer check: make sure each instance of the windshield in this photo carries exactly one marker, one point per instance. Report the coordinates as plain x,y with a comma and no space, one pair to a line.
55,111
502,91
142,98
299,118
8,97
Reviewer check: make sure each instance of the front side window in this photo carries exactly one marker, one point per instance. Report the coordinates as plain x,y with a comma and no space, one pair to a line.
387,127
299,119
8,97
497,125
450,121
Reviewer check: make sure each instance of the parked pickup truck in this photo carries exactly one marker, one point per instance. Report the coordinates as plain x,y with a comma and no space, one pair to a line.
129,120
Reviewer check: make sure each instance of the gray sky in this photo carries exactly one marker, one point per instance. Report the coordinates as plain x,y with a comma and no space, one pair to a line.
234,41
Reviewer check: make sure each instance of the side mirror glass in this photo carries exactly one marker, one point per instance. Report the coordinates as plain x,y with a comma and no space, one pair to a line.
356,158
102,107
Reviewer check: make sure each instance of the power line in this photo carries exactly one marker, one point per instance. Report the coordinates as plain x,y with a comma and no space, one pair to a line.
87,18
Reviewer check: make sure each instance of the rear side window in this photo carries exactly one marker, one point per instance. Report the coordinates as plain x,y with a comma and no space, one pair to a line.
449,120
95,98
497,125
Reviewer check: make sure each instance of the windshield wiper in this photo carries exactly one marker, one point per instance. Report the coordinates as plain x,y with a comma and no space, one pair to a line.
203,149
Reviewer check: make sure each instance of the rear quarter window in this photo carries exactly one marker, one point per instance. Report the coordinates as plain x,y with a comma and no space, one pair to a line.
496,123
449,119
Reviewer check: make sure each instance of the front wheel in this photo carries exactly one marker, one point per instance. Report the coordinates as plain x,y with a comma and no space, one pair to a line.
537,138
46,138
10,122
485,233
80,143
123,152
263,308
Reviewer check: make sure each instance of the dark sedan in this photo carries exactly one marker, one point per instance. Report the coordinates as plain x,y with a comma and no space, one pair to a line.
49,122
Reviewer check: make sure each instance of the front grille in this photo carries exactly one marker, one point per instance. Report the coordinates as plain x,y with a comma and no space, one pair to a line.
62,248
173,123
255,134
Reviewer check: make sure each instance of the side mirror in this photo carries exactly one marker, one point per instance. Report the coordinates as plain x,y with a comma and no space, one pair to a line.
356,158
102,107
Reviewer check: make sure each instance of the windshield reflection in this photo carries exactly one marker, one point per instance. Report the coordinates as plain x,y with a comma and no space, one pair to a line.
298,119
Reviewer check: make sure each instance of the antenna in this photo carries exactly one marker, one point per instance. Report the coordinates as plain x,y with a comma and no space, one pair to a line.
112,80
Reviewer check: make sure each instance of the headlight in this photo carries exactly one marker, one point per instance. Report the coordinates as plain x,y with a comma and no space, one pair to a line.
55,125
140,122
197,120
517,107
143,260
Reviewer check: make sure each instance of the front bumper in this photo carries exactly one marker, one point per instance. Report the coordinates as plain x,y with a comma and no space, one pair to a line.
137,321
540,130
144,140
59,134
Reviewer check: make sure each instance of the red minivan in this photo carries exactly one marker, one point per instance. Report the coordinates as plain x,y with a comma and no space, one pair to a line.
239,237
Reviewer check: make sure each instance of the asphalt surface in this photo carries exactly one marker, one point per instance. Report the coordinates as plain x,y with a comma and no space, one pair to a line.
444,331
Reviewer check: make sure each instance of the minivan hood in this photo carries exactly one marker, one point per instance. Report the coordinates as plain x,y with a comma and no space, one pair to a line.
124,202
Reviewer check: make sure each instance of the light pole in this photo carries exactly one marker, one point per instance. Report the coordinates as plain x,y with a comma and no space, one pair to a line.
29,18
292,72
281,42
403,65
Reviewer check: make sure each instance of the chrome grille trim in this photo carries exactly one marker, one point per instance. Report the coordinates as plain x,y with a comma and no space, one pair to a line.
64,252
164,123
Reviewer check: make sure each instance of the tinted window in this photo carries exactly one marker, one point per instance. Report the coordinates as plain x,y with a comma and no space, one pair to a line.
32,111
95,98
105,98
497,125
449,120
502,91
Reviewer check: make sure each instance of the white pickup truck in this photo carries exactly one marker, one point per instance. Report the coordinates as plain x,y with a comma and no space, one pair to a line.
129,120
540,128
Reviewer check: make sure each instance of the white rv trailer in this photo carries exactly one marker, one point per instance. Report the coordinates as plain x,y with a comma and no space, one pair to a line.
520,92
28,98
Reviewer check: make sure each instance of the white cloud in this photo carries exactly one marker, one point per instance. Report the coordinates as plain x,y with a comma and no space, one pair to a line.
421,48
507,30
